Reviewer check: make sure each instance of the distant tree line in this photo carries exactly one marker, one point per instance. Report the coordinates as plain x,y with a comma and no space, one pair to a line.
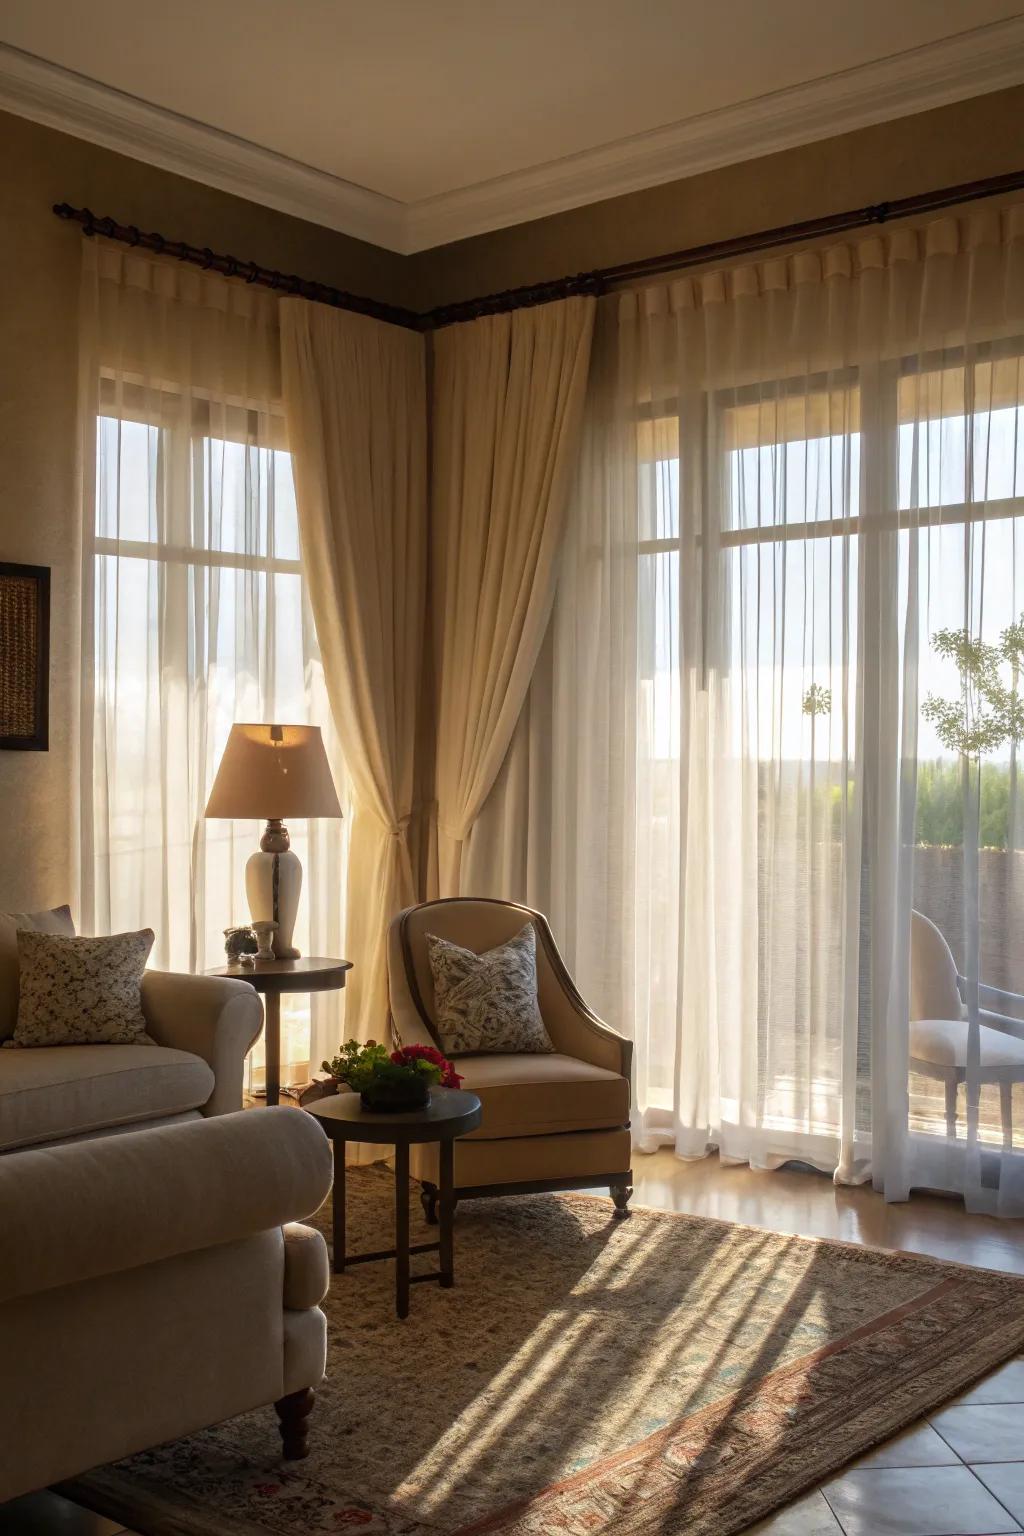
940,805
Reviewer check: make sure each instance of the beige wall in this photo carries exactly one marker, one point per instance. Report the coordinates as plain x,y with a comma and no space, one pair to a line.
39,259
980,137
38,293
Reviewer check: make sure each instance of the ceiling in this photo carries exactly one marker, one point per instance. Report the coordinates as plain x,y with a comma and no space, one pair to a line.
434,118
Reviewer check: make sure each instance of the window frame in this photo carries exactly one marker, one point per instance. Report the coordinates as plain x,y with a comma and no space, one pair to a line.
890,517
191,437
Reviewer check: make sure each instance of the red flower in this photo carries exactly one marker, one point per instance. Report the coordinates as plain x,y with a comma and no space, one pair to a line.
410,1053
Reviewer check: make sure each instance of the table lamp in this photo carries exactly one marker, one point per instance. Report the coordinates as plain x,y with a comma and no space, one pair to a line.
274,772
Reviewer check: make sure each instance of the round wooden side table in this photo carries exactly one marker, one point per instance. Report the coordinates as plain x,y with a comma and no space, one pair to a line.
309,973
451,1113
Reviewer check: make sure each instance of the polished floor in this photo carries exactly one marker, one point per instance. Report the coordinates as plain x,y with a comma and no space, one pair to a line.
959,1473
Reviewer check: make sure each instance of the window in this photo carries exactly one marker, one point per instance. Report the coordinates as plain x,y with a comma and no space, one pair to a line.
803,534
199,618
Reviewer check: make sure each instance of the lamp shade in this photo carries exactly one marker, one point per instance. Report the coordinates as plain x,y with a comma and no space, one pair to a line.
273,772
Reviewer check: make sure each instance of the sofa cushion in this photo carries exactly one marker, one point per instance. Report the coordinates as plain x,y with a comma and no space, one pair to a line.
539,1095
62,1090
56,921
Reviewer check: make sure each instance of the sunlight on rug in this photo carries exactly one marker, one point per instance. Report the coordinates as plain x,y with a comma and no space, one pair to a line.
654,1377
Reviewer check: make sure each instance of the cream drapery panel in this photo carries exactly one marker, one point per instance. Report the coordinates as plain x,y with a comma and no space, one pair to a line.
726,788
355,397
507,397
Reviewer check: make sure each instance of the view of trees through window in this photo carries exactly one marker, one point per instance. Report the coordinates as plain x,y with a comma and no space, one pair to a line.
940,805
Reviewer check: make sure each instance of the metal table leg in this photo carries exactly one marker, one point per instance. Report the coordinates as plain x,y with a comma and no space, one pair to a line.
447,1245
402,1229
272,1045
338,1206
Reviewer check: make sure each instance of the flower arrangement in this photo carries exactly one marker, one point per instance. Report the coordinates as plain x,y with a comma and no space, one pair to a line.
392,1080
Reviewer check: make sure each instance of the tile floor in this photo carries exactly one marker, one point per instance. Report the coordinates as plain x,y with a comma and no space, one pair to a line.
960,1473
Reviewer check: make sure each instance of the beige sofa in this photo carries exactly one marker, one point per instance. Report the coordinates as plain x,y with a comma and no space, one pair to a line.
558,1121
203,1027
150,1286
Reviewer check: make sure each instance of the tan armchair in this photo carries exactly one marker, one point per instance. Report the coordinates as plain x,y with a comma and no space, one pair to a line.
557,1121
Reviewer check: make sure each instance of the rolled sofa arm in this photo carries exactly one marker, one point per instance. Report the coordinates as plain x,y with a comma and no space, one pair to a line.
307,1270
212,1017
90,1208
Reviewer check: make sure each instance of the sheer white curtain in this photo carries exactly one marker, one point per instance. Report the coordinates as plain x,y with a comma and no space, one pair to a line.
195,613
725,787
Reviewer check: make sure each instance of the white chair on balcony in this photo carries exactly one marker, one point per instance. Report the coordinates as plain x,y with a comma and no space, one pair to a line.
939,1030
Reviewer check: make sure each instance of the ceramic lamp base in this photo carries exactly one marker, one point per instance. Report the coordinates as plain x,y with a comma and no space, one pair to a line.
273,882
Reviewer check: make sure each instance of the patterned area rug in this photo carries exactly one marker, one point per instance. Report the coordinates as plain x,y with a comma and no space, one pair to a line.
656,1376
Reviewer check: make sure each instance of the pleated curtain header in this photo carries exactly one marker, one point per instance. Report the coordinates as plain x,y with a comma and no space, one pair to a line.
159,320
850,259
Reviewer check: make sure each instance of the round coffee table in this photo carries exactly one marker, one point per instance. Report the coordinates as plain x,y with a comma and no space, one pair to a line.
451,1112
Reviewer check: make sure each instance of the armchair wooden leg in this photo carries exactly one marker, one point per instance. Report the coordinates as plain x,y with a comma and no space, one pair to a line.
621,1194
293,1411
951,1088
428,1200
1006,1113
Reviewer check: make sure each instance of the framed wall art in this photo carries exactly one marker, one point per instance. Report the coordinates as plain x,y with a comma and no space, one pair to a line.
24,657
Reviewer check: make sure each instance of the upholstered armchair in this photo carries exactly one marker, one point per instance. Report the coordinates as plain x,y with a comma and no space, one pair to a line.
550,1121
153,1283
939,1032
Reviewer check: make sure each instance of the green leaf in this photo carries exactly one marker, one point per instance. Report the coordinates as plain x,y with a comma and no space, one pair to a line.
989,712
817,700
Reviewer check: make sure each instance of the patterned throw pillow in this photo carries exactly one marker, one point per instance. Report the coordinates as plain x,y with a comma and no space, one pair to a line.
81,991
487,1002
58,920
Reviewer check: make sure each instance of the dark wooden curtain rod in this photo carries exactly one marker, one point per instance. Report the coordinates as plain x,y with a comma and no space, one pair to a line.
595,282
234,266
604,278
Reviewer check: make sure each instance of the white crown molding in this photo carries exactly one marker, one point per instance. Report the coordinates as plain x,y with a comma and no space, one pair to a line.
969,64
59,98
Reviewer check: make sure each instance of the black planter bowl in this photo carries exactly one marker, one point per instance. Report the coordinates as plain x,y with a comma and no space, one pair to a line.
393,1098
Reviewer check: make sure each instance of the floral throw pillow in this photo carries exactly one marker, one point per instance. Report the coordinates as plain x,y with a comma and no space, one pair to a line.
81,991
487,1002
56,921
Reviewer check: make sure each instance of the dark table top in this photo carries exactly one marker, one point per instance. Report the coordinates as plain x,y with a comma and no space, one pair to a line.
309,973
451,1112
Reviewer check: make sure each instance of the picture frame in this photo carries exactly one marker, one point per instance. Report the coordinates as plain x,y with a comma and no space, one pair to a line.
24,657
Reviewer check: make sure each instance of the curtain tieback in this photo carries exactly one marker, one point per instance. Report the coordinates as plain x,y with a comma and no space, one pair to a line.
400,827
